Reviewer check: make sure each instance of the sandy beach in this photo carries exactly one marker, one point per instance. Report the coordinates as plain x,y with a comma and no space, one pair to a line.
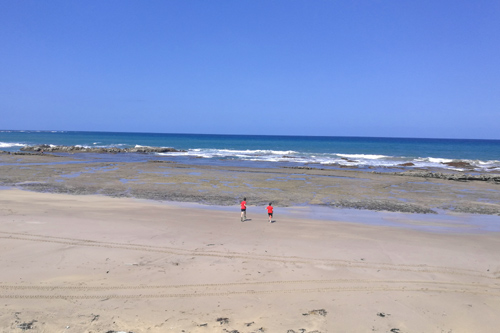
74,263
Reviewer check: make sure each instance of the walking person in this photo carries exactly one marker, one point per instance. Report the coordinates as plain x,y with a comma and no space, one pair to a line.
244,210
270,211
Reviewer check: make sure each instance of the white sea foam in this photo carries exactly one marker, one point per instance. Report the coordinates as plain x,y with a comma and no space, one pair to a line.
439,160
11,144
253,152
225,153
112,145
363,156
349,160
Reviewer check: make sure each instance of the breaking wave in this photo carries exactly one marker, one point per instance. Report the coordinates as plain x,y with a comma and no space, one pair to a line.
341,160
10,145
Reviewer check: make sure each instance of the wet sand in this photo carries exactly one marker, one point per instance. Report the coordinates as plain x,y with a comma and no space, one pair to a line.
97,263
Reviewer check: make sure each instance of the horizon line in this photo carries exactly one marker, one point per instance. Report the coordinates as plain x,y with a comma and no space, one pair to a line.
261,135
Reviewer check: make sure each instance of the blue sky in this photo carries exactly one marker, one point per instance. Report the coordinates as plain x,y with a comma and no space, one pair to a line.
336,68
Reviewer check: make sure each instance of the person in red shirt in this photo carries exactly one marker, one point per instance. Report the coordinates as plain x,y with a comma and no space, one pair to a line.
270,211
244,210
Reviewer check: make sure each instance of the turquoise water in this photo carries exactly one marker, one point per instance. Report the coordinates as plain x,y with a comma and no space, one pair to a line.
359,152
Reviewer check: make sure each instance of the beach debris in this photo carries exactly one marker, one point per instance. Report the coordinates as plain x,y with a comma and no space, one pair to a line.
381,314
321,312
223,320
233,331
26,326
118,332
94,317
249,324
201,325
395,330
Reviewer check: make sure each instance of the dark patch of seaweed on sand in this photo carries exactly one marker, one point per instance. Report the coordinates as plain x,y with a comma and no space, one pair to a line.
383,205
470,209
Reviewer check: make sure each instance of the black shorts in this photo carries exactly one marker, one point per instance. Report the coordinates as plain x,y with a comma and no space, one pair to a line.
243,210
270,214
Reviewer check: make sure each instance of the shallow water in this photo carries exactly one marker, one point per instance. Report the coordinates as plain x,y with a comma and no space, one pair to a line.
443,222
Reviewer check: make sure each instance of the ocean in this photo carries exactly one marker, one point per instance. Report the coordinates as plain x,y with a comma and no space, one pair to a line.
277,151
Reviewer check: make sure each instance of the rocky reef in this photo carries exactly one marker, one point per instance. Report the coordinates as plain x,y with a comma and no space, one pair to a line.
464,177
99,150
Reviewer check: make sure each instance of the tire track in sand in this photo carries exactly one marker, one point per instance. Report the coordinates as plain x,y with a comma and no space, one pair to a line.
210,290
237,255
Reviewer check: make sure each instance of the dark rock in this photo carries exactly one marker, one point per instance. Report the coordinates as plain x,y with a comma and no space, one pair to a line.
459,164
34,153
